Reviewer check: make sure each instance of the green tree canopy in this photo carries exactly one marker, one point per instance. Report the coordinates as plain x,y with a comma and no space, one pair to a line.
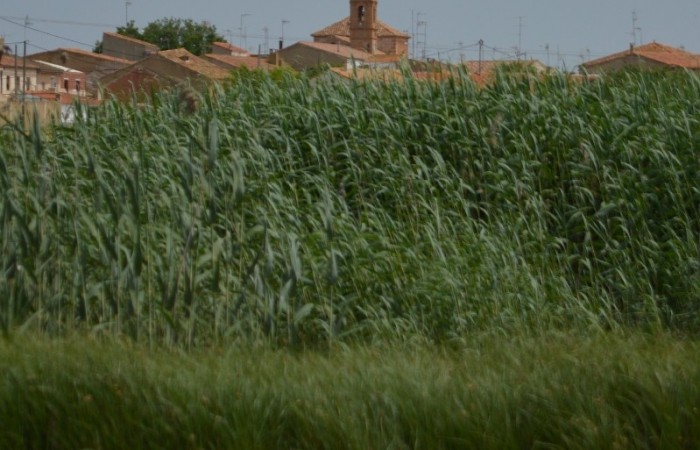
130,30
170,32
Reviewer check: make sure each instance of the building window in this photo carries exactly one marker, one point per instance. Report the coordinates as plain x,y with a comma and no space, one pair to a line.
28,84
7,86
16,83
77,86
65,84
53,82
361,13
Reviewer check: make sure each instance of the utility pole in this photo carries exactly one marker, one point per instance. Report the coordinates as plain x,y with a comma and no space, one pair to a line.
266,46
24,77
481,55
16,76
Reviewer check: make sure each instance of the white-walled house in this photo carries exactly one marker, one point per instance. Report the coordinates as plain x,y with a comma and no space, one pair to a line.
17,76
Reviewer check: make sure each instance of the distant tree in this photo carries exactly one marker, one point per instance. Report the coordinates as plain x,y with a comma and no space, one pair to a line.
169,33
98,48
130,30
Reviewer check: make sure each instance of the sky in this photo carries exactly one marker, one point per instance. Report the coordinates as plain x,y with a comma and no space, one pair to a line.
560,33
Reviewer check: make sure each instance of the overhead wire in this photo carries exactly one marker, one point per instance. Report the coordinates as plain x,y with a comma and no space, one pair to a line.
45,32
62,22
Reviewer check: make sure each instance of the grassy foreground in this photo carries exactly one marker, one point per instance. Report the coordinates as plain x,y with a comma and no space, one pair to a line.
558,391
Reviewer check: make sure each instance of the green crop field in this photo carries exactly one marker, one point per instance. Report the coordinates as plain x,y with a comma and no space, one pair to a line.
317,220
552,392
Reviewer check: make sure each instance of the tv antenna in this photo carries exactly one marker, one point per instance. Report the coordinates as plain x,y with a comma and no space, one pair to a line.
635,28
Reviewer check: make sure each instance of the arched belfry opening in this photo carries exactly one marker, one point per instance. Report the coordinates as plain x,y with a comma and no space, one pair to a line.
363,25
361,13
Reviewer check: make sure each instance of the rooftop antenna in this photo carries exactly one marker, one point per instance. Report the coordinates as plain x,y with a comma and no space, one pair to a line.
635,27
127,3
461,52
518,49
424,25
27,23
413,34
266,46
585,55
284,22
243,42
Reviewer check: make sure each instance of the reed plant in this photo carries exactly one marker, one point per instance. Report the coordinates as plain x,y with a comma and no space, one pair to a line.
320,212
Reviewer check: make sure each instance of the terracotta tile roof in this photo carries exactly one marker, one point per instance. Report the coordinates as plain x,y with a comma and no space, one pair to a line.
131,39
9,61
342,28
664,54
484,72
490,66
193,63
251,62
386,75
230,48
336,49
380,57
232,62
51,67
368,74
77,51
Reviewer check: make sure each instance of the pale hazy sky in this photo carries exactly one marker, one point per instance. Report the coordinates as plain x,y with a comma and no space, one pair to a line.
554,31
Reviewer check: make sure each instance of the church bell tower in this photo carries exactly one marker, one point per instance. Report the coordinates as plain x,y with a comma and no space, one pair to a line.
363,25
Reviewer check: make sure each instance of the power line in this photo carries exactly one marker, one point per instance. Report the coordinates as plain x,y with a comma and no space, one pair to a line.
39,47
63,22
46,32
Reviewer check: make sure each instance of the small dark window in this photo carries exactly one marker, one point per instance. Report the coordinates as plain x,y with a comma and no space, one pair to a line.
77,85
65,84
